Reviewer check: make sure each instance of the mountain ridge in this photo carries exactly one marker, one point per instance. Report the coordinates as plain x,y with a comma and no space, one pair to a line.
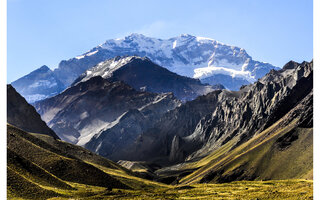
143,74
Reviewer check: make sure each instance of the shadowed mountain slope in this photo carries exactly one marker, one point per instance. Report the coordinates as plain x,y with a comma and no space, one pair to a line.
108,114
23,115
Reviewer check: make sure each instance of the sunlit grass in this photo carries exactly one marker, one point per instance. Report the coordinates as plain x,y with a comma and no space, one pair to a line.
282,189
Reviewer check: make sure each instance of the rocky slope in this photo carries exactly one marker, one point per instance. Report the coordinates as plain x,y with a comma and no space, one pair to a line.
143,74
108,114
236,116
197,57
39,84
23,115
282,151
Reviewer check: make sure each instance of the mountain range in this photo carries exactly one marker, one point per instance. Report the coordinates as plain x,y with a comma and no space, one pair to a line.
163,131
140,117
202,58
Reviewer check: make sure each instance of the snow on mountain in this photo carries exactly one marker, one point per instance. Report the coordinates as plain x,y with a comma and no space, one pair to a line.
105,68
188,55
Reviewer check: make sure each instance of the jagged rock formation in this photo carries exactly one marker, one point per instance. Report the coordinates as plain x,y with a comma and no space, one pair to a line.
155,143
110,115
23,115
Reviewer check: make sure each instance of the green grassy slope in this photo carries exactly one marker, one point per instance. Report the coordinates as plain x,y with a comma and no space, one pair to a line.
244,190
33,172
19,186
51,167
269,155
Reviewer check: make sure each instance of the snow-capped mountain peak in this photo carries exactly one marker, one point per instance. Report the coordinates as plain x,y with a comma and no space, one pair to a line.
188,55
204,58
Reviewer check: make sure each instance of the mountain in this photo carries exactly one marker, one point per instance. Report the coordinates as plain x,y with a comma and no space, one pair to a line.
23,115
143,74
188,134
39,84
197,57
108,114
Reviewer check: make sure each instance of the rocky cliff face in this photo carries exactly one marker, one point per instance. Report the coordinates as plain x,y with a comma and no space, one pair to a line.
104,113
232,115
23,115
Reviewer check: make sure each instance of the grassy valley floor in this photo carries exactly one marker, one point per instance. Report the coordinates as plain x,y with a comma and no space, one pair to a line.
282,189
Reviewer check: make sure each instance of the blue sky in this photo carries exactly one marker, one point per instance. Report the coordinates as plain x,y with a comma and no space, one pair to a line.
43,32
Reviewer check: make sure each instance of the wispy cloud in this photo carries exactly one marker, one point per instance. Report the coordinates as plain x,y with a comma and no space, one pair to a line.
161,29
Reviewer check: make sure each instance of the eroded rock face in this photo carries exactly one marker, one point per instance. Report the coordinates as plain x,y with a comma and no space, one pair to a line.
231,115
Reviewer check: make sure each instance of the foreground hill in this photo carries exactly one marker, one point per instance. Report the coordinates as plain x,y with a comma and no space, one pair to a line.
40,167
